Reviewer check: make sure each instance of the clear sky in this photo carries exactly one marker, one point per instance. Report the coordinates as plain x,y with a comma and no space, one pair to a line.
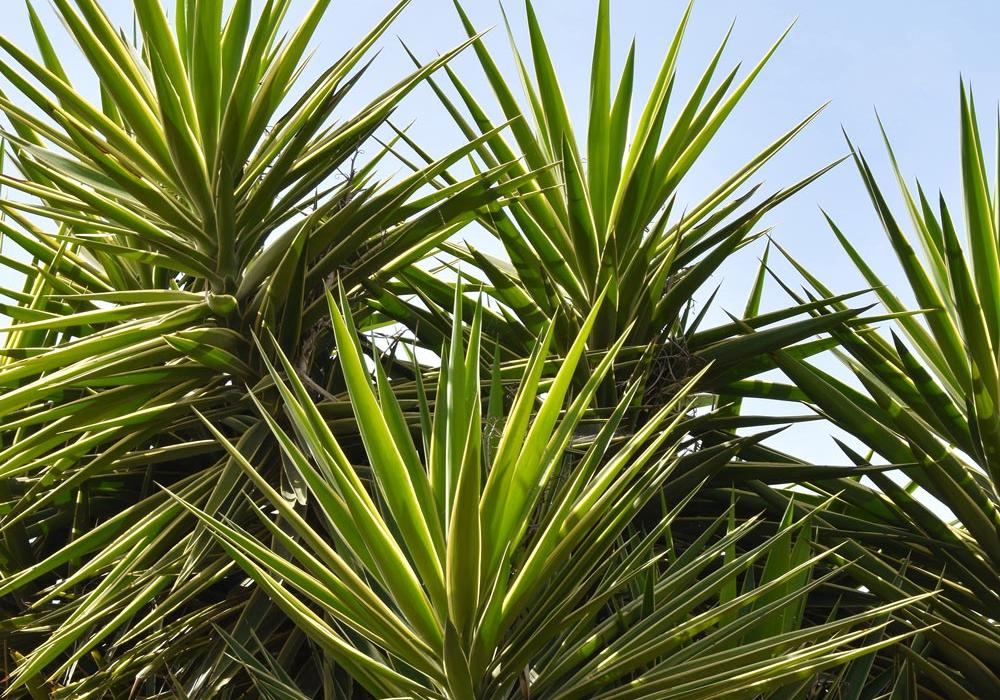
903,57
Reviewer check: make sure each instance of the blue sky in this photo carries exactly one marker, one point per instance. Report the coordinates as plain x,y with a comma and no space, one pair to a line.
903,57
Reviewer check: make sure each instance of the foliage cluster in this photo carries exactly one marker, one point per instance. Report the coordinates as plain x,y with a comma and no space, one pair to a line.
255,441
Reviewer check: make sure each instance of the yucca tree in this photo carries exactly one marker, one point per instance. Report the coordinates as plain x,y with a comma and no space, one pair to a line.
601,213
607,216
928,397
478,564
197,500
205,197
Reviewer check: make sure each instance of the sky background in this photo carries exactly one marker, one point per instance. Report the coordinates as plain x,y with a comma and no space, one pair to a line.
903,57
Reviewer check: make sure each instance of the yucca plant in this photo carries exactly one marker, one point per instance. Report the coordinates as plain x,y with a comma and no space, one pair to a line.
205,197
602,214
478,564
606,216
198,500
928,398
